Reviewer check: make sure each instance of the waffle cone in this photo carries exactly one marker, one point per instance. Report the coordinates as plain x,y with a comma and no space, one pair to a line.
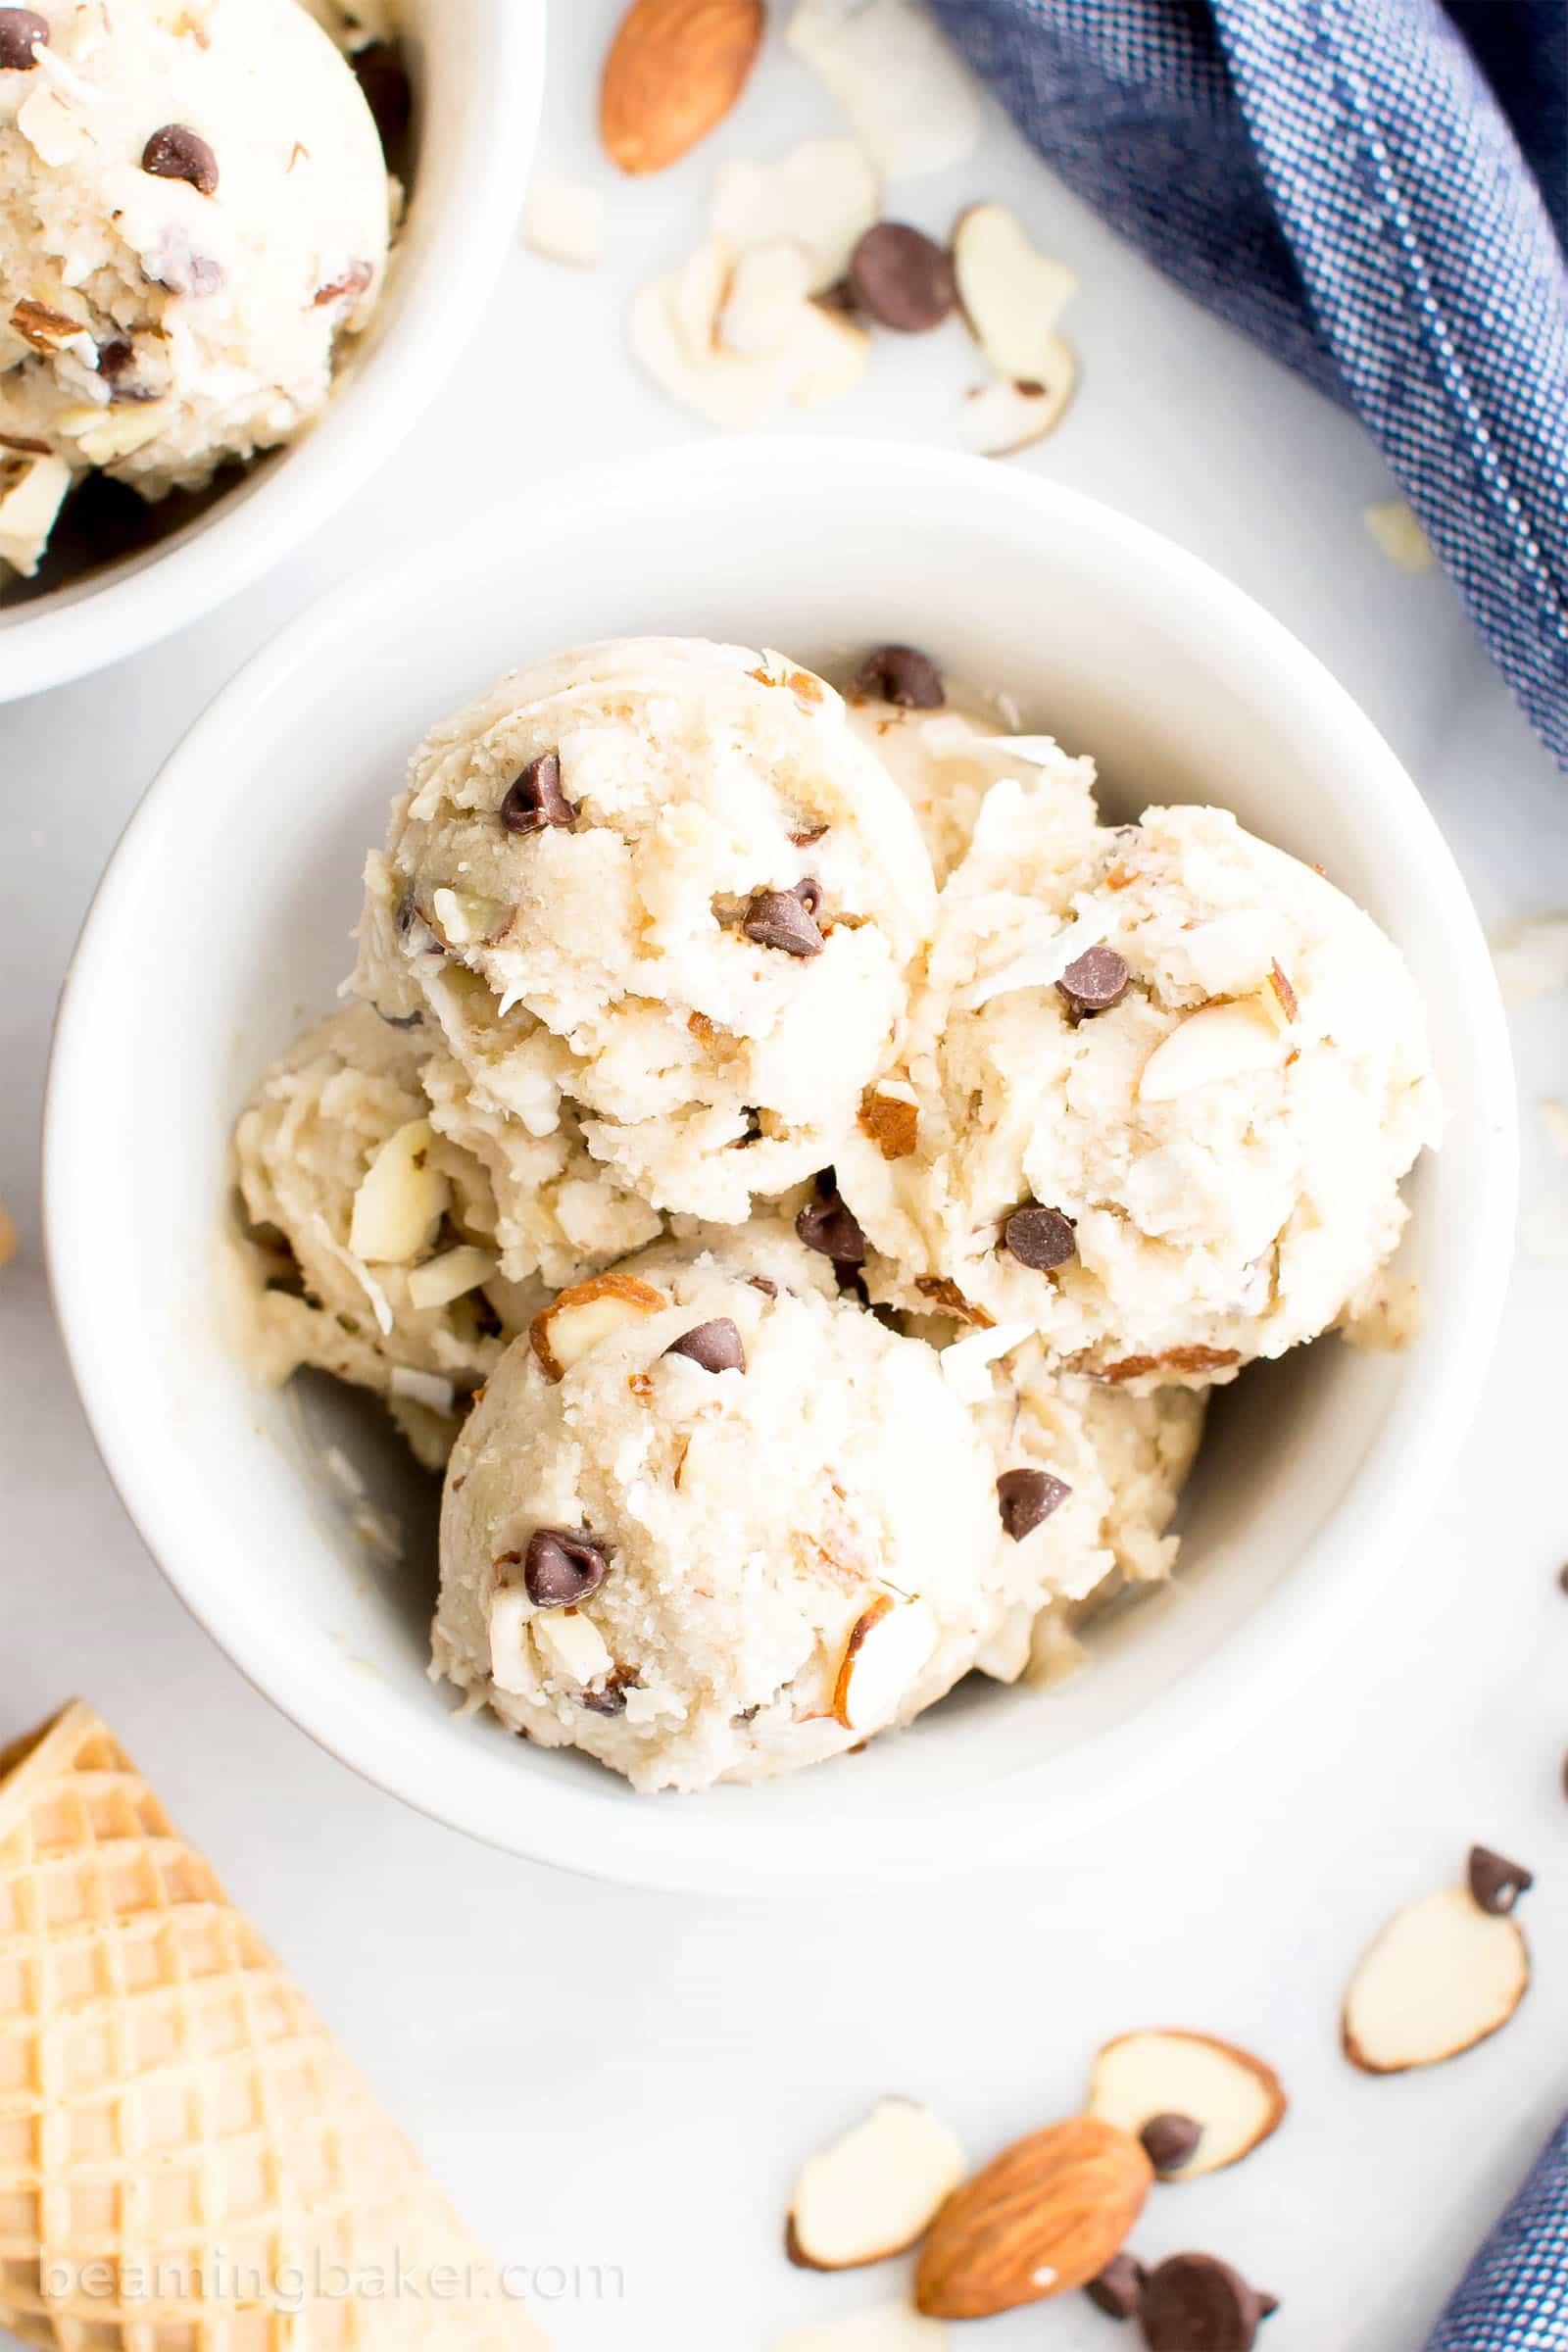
188,2163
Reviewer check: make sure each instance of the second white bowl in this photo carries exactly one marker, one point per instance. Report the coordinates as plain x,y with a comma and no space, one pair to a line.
223,926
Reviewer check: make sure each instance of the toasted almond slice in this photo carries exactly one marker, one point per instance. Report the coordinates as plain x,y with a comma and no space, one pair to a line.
562,219
466,919
1001,419
1443,1975
723,389
401,1201
826,354
885,2327
761,303
1218,1042
822,194
1233,2097
574,1322
873,2192
888,1645
450,1276
1012,294
571,1646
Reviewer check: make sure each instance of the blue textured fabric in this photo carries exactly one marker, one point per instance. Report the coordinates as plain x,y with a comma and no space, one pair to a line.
1377,191
1514,2297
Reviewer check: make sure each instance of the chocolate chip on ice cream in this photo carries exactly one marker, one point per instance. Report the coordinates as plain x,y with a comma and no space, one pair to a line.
534,798
1040,1238
714,1345
826,1225
901,674
785,919
1095,980
179,153
1027,1498
22,31
562,1566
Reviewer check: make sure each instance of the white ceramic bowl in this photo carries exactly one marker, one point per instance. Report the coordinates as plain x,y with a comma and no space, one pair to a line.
223,925
478,71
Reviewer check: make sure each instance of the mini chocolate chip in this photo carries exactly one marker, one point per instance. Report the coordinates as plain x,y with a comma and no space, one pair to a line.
1170,2140
1094,981
1195,2303
1497,1884
901,279
1117,2288
611,1701
114,357
1040,1238
536,800
179,153
787,919
20,30
561,1565
831,1228
1026,1499
715,1346
901,674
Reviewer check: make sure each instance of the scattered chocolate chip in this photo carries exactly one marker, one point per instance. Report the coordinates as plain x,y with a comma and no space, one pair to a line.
1040,1238
354,280
1094,981
1118,2287
20,30
1025,1498
561,1565
383,78
114,357
611,1701
787,919
1497,1884
1170,2140
536,800
831,1228
1195,2303
715,1346
179,153
901,674
901,279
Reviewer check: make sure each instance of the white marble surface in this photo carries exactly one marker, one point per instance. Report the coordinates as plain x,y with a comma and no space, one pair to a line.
626,2081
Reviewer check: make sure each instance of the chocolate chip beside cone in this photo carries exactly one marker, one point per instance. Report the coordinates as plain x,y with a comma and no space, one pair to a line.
20,30
899,277
177,152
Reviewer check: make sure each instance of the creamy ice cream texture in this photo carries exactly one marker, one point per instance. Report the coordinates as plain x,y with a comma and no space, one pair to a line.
1155,1094
193,214
655,956
663,881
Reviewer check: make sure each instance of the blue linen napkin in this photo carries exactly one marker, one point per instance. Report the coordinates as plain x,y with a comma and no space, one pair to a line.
1375,190
1514,2297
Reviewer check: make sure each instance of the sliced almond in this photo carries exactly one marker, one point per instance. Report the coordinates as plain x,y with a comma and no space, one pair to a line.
674,70
571,1646
574,1323
1443,1975
826,357
1218,1043
1012,294
33,491
1045,2215
562,219
1001,419
1233,2097
887,1647
465,919
873,2192
433,1390
885,2327
761,303
823,195
450,1276
103,435
891,1116
909,101
401,1201
723,389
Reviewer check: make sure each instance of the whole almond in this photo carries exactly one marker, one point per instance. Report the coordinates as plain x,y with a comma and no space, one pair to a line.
674,69
1045,2215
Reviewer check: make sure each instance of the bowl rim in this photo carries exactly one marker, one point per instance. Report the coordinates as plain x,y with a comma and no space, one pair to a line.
1206,1711
51,643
